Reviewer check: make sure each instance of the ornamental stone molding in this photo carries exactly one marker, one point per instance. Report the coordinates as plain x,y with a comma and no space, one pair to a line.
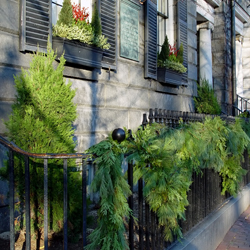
205,25
240,13
239,38
214,3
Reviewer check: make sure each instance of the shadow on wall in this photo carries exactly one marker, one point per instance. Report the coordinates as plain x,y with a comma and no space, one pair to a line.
10,62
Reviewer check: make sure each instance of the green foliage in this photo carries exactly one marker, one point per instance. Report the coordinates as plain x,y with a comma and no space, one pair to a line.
171,60
114,191
81,30
41,122
245,114
164,54
166,181
206,101
96,22
180,54
174,65
166,159
66,14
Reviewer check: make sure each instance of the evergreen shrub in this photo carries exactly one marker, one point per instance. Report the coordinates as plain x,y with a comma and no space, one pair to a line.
206,101
171,58
73,24
41,122
66,14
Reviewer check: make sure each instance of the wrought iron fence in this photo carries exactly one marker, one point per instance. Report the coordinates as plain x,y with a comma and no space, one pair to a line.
204,196
205,192
12,148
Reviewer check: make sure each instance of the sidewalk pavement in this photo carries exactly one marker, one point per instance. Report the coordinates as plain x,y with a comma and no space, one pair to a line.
238,237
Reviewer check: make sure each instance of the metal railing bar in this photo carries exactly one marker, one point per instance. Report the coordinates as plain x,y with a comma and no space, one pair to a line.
16,149
45,204
140,216
153,230
131,206
84,206
11,191
65,205
147,225
27,202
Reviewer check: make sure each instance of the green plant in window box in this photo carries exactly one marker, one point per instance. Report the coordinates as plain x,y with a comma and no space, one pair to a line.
73,24
171,58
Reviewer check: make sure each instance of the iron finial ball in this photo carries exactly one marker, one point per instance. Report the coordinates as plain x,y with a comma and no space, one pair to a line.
118,135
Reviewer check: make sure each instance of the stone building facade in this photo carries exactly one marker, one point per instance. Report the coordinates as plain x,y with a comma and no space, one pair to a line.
117,94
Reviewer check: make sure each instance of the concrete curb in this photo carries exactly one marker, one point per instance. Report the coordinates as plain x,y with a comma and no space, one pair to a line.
211,231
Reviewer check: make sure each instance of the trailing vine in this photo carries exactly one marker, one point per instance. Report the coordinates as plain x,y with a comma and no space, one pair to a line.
165,158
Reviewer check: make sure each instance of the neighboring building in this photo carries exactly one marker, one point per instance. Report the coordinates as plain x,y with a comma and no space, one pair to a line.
125,86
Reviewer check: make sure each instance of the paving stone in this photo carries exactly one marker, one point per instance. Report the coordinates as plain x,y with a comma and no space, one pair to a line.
238,237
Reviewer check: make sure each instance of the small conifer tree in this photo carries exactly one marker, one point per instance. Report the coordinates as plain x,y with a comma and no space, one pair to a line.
164,54
66,14
180,54
41,122
96,22
206,101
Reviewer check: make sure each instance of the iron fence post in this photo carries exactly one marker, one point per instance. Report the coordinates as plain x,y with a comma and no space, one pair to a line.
84,206
45,204
11,201
65,205
27,202
131,206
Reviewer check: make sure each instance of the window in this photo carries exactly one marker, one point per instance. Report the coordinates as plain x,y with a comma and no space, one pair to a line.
164,17
37,17
56,8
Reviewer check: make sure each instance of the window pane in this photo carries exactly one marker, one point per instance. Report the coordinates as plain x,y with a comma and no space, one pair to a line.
87,4
56,8
162,6
161,30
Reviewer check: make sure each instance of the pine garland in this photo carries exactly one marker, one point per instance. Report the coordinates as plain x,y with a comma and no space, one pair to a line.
114,191
165,158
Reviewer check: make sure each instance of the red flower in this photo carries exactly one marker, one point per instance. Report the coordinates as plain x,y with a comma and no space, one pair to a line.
173,50
80,14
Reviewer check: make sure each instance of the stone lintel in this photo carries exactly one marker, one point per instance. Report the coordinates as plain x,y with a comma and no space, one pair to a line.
205,25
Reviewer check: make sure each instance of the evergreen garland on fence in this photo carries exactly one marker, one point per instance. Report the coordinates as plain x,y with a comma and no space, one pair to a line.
114,191
165,158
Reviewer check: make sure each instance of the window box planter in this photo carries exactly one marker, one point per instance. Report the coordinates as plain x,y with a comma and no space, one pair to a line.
169,77
77,52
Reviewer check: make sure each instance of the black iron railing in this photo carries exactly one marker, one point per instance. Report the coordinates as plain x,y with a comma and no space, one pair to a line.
46,157
243,103
205,192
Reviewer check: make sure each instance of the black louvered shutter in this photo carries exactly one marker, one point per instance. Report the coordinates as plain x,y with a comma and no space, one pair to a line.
150,39
35,25
108,20
182,32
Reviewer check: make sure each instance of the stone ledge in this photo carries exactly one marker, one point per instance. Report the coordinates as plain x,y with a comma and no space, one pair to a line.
211,231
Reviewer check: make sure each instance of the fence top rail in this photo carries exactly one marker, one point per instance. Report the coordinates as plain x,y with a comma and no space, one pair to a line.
159,115
15,148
